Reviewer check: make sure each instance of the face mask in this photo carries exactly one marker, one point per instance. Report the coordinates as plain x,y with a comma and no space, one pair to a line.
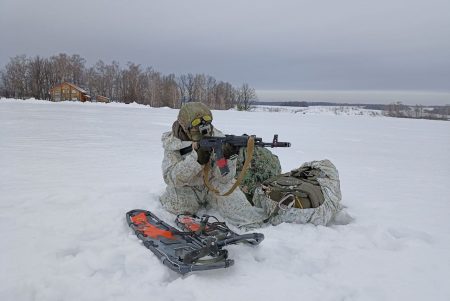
198,132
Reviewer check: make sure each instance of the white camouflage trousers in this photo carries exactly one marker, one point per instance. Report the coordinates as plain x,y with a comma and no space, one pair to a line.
235,207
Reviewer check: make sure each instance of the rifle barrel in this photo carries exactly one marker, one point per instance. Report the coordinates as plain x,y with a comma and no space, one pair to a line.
277,144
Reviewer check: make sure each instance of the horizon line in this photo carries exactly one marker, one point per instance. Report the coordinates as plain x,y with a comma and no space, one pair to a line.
414,97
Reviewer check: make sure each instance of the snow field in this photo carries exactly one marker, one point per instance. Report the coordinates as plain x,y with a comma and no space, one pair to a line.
70,171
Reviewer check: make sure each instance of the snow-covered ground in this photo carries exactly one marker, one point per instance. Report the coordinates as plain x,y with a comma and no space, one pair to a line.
70,171
322,110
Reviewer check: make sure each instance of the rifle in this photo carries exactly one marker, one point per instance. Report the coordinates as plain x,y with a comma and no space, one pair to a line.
215,144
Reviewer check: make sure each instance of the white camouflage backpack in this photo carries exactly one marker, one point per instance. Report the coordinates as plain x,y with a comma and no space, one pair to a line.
309,194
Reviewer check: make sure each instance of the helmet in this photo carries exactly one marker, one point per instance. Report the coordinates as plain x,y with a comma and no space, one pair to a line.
190,111
191,117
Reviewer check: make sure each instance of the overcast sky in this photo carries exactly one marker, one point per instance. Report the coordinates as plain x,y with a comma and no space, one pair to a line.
320,45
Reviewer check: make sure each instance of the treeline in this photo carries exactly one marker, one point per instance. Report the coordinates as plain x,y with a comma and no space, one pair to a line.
25,77
400,110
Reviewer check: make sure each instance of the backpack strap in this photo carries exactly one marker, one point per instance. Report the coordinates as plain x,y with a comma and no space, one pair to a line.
248,160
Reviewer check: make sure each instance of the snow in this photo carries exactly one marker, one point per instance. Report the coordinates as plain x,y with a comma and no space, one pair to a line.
69,171
322,110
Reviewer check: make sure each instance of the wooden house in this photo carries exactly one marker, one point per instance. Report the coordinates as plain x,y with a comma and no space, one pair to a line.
68,91
100,98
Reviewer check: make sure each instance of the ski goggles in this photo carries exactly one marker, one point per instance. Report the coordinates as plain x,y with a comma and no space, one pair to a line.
200,120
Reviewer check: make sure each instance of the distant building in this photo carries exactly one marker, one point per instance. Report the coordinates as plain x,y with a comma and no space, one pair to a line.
100,98
68,91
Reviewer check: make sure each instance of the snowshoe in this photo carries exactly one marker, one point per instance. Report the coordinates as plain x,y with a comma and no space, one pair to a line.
209,226
183,252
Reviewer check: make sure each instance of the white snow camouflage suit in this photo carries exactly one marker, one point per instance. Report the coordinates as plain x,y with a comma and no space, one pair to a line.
187,193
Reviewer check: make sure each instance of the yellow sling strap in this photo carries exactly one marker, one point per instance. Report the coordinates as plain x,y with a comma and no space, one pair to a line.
248,160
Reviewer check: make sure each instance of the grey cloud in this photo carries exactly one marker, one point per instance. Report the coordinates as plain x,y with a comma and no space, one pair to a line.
348,44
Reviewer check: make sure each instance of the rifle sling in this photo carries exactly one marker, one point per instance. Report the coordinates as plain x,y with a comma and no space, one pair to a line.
248,160
186,150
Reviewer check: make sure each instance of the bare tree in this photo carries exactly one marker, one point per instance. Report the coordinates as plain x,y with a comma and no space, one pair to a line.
187,86
210,86
151,85
130,83
16,77
246,98
225,96
77,68
39,89
199,88
170,95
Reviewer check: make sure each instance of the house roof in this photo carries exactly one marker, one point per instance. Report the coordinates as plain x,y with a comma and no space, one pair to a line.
73,86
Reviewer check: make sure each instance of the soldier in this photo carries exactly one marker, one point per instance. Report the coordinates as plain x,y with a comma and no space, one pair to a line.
183,168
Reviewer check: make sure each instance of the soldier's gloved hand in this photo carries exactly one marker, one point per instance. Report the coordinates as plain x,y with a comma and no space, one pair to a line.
229,150
202,155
